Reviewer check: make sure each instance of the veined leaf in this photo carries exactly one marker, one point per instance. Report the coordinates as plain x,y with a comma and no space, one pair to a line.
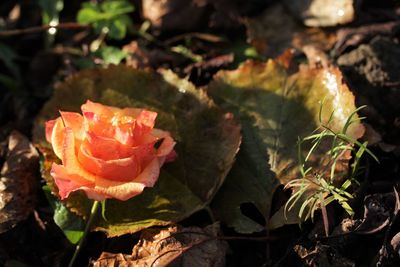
207,142
275,108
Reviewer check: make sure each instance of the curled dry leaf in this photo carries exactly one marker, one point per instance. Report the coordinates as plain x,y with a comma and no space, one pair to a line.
18,181
176,246
275,108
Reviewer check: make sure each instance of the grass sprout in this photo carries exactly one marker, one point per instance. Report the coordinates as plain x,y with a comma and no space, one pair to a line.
324,178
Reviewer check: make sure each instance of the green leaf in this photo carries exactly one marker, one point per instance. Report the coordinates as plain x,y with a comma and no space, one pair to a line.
72,225
111,54
110,16
117,7
89,15
274,109
207,142
117,28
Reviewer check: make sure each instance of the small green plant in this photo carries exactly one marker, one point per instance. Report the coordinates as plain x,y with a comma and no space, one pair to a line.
319,186
109,18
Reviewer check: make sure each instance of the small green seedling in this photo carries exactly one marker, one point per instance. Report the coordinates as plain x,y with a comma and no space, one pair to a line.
109,17
317,188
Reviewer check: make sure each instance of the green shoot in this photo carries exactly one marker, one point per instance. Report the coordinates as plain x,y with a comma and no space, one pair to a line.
318,187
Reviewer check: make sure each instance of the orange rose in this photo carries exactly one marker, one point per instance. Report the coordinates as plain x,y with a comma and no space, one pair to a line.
108,152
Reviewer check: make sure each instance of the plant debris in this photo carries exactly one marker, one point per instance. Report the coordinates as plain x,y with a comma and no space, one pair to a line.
175,246
18,180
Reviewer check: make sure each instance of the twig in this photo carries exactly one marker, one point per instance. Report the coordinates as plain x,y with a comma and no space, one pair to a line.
37,29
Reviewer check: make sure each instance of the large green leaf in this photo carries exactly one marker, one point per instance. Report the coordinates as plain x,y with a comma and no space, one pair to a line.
275,109
207,142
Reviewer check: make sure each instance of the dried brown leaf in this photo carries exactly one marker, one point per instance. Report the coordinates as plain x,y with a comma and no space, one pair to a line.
322,13
275,30
18,181
175,246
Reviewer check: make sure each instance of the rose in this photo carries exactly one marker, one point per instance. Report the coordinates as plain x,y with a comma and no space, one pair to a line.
108,152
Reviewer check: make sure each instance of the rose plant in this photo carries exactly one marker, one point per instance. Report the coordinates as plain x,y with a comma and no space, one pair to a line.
207,140
107,152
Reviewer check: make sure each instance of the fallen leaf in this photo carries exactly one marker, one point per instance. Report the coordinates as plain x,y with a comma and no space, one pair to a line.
395,243
108,259
207,142
18,181
322,255
274,109
275,30
173,15
175,246
353,37
322,13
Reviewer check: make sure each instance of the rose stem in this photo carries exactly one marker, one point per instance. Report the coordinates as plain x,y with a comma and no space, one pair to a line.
93,212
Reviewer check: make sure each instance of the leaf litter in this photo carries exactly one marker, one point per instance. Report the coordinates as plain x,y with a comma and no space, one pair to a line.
175,246
271,33
18,180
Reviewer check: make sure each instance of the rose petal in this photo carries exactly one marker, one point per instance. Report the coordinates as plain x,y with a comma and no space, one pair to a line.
167,146
98,109
98,125
147,118
74,121
67,183
122,191
124,134
69,158
57,137
106,148
150,174
124,169
125,191
49,129
110,112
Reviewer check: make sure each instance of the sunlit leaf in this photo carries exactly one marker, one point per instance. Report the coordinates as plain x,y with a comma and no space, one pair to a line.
275,108
207,142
